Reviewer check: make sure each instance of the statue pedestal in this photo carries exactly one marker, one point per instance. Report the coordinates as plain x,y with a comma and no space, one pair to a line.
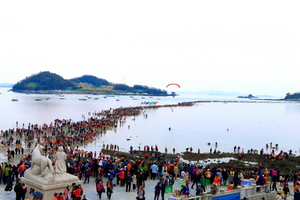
48,185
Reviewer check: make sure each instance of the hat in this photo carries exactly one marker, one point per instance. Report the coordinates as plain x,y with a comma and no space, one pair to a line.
55,194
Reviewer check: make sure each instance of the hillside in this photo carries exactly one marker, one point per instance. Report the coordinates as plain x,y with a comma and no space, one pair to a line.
44,81
294,96
96,82
47,82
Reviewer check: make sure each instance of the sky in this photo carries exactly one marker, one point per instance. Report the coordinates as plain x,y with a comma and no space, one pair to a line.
250,47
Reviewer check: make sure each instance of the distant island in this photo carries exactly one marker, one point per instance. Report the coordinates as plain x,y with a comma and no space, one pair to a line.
294,96
6,85
250,96
47,82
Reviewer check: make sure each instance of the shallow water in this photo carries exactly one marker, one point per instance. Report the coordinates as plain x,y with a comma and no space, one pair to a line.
248,125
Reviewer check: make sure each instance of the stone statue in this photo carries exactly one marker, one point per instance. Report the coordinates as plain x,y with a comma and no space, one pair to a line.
43,173
40,163
60,158
45,178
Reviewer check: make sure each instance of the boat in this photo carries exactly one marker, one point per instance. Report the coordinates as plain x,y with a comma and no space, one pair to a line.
38,99
117,99
47,98
62,98
14,100
96,98
143,98
135,99
82,99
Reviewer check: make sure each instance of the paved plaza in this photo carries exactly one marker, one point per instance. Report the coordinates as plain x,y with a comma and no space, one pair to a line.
119,192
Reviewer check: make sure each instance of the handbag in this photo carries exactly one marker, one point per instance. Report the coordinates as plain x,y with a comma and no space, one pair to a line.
103,189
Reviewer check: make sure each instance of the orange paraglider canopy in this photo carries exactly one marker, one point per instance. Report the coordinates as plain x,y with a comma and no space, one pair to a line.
173,84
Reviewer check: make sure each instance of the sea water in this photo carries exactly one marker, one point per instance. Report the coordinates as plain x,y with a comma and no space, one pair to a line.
239,122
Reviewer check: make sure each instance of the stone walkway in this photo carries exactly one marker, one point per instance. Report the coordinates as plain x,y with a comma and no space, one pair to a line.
118,194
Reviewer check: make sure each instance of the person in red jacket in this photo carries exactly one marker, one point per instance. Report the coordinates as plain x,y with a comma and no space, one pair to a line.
78,192
217,180
60,196
100,188
122,177
230,186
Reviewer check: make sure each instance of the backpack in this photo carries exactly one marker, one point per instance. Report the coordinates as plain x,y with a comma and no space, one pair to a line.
99,187
86,165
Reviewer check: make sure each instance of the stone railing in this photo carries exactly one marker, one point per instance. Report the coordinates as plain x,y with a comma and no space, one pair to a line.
251,191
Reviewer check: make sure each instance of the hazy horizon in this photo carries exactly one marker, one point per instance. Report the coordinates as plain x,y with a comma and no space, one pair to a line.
249,47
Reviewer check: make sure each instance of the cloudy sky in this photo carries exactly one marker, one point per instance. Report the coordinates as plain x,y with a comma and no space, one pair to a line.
234,46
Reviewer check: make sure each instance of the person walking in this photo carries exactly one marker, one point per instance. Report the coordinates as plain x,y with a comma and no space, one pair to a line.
163,189
140,193
9,184
100,188
128,181
67,193
140,179
134,182
78,192
18,189
74,186
24,187
88,173
109,188
154,170
98,179
286,191
6,172
157,190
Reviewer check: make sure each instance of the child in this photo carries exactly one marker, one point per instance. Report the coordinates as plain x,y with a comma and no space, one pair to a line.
60,196
84,197
199,190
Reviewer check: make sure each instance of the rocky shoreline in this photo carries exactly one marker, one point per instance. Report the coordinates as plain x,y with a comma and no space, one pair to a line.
247,162
224,160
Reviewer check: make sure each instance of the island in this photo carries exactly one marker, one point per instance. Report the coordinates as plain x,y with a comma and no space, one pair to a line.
51,83
250,96
293,96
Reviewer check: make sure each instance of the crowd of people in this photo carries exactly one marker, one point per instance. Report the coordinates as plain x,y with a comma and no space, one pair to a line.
107,172
131,174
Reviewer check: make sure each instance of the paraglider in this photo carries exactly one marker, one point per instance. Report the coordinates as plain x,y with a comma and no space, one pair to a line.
173,84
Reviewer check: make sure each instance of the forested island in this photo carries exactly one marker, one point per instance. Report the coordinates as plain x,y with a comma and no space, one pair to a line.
293,96
47,82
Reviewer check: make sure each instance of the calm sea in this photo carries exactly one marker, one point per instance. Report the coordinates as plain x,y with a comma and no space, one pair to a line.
248,125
